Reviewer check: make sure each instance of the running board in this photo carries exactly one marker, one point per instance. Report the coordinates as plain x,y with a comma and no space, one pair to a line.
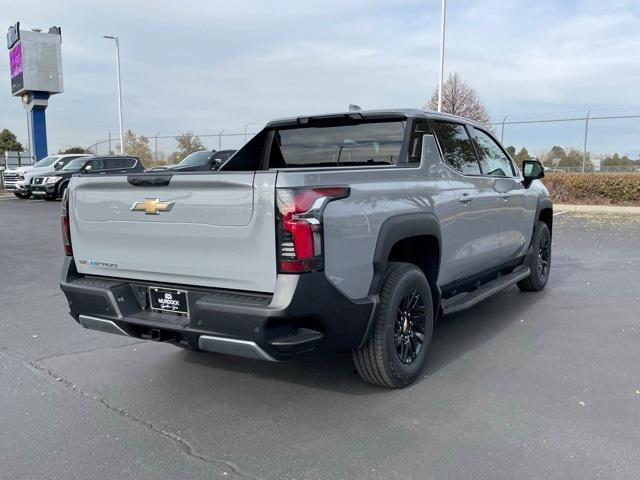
465,300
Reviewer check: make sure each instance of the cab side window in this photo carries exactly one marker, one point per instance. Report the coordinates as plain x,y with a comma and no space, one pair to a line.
493,160
456,147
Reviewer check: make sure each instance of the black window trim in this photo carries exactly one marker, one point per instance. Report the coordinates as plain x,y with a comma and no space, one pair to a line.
464,125
515,171
403,155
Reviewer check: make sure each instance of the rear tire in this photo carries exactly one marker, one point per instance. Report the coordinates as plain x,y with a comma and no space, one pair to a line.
22,196
396,350
540,261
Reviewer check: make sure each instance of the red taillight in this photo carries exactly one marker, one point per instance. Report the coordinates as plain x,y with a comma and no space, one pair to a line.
64,220
300,226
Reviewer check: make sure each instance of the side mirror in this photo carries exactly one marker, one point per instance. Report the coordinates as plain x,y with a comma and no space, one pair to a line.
57,166
532,170
87,168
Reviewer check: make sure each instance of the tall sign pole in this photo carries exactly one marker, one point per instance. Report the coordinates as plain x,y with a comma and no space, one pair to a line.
117,40
443,12
35,65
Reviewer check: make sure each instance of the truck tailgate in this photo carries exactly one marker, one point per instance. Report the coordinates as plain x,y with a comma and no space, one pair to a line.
210,230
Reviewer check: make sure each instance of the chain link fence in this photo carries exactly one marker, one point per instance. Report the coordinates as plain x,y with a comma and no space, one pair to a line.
590,136
163,148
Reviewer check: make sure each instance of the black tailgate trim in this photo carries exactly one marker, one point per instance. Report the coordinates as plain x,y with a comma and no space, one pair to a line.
146,180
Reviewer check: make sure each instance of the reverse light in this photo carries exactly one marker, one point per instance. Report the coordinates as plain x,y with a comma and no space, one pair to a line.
299,226
64,221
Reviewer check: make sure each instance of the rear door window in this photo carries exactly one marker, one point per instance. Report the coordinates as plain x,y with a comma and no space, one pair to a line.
493,160
111,163
363,144
456,146
117,163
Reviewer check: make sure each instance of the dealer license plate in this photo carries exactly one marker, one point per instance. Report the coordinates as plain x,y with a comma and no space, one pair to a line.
169,300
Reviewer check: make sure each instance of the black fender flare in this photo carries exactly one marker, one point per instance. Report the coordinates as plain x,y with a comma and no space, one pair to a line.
392,231
544,203
398,228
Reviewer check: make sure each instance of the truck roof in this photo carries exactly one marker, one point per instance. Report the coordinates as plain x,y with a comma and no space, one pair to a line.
304,120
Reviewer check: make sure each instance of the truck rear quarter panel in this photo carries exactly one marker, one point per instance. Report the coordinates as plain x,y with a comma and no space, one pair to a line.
352,225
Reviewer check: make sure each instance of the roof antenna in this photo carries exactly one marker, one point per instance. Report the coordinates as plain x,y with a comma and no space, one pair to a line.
354,108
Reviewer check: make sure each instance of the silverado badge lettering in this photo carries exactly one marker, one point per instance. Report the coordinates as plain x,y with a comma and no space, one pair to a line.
152,206
95,263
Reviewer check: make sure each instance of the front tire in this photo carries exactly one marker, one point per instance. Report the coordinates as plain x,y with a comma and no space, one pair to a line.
22,196
540,262
62,189
396,351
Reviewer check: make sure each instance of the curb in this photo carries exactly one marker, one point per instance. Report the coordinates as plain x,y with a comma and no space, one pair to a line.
597,209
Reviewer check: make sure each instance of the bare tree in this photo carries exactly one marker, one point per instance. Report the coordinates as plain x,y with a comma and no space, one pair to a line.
458,98
138,146
187,143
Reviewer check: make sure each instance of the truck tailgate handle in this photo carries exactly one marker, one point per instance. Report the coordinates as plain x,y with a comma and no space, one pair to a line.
149,180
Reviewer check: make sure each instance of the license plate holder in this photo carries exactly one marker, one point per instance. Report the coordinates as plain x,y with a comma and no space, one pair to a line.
169,300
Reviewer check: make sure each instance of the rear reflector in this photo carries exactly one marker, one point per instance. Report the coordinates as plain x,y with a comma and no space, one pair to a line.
64,220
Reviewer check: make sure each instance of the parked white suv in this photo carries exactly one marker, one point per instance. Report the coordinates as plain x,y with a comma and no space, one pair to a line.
18,180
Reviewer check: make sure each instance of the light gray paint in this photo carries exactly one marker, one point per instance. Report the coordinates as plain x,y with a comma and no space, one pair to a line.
221,231
211,237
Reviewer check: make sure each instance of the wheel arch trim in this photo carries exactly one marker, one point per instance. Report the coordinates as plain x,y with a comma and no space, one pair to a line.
395,229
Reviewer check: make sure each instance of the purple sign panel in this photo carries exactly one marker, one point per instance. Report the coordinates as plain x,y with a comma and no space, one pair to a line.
15,61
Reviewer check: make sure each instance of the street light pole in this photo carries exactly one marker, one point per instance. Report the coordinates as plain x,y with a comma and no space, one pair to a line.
443,10
117,40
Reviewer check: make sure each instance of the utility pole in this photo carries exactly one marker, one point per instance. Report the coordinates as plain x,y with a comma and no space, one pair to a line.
117,40
443,12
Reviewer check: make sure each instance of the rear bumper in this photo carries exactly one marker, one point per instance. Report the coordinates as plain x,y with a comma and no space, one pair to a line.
306,313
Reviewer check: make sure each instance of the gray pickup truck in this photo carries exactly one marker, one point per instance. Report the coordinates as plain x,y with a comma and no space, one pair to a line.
348,232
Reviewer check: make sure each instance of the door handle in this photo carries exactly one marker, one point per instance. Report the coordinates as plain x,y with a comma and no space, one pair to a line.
465,198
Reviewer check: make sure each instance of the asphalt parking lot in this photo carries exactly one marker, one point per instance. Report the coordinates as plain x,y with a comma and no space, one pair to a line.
524,385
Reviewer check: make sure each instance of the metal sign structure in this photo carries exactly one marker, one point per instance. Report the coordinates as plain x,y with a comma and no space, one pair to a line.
35,68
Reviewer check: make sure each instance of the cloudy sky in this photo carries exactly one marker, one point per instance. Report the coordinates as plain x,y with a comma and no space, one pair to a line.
209,65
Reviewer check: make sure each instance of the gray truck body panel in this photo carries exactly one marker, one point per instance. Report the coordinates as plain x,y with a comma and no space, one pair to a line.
214,235
220,231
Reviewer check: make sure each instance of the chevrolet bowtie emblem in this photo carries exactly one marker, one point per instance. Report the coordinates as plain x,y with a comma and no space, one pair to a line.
152,206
